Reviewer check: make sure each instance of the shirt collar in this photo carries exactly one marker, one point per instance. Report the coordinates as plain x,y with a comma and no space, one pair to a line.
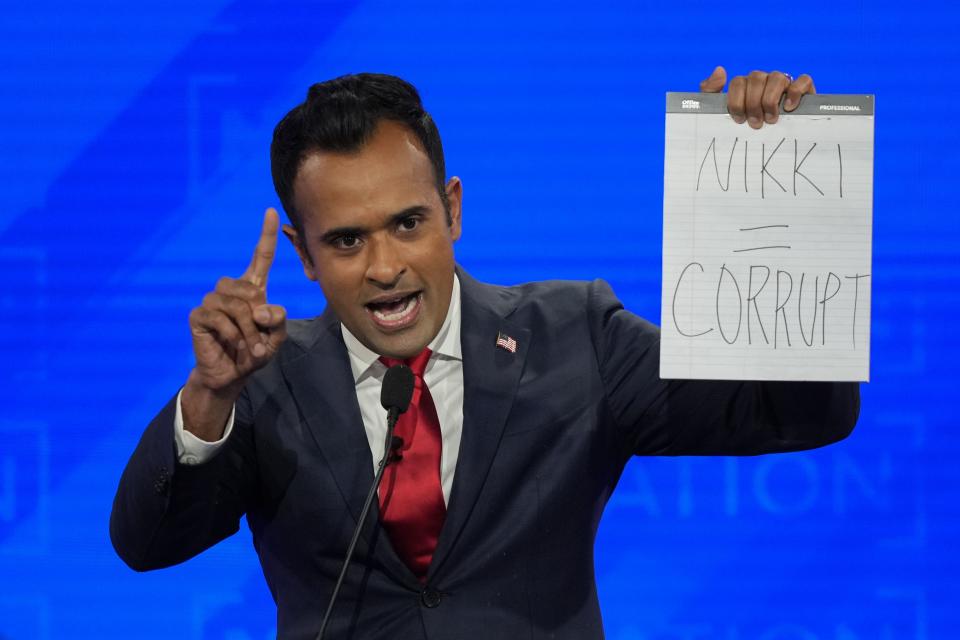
446,344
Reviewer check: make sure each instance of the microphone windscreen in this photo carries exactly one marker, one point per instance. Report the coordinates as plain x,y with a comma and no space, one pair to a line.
397,388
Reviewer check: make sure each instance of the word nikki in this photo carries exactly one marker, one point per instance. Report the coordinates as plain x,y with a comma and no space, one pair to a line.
775,168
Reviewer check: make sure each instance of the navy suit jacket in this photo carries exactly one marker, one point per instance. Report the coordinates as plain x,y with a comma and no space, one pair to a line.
546,434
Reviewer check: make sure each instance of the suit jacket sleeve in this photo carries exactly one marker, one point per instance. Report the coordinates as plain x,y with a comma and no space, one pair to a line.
165,512
705,417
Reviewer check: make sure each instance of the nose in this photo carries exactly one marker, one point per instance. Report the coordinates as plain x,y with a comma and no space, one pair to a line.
385,263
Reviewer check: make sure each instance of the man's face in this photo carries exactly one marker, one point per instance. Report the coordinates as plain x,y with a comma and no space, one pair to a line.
375,236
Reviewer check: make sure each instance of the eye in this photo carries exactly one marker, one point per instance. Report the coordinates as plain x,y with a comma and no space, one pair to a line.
346,242
409,223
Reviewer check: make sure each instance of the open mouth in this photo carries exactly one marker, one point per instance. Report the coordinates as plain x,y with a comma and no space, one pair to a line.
396,312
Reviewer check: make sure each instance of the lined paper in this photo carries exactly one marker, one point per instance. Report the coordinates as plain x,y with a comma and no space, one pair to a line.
767,241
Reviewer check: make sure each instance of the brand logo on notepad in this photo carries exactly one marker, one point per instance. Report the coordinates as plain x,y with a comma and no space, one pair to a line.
689,104
839,107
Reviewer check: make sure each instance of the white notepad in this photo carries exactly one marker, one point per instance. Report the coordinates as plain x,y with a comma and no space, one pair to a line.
767,241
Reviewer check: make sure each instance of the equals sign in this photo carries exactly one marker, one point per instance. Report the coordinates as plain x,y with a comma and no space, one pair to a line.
772,246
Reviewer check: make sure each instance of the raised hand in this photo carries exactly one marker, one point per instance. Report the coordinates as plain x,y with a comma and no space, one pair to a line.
755,98
235,332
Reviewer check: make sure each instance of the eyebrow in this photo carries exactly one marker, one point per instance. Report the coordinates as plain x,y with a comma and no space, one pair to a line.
339,232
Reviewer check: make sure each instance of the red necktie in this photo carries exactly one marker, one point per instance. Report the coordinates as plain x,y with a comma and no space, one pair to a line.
411,498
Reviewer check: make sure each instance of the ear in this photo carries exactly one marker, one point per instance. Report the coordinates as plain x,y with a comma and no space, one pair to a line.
454,191
294,237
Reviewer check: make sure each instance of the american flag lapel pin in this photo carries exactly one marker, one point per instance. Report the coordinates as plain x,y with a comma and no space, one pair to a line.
506,342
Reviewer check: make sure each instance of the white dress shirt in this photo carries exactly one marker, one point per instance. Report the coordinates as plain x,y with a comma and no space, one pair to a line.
444,378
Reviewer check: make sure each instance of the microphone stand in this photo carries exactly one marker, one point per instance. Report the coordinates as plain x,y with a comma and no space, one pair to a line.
389,446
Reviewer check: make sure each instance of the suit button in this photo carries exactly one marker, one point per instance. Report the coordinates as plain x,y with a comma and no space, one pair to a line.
430,598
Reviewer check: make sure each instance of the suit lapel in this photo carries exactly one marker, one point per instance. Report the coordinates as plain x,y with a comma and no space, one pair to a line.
490,378
321,383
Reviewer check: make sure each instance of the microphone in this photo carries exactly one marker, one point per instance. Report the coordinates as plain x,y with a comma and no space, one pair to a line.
395,395
397,390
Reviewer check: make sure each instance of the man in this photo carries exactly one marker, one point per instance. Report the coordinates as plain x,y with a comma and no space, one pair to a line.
529,400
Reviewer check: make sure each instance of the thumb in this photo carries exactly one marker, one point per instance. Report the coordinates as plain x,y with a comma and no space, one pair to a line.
271,322
716,81
270,316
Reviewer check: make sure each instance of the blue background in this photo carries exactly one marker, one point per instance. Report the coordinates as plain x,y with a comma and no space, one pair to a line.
134,170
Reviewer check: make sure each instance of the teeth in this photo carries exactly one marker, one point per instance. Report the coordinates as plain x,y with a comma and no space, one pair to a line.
396,315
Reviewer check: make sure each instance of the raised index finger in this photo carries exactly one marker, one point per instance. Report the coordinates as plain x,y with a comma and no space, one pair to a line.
266,248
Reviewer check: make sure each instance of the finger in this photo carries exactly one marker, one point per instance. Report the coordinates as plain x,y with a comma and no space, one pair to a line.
209,321
797,89
240,314
235,288
270,316
714,83
272,322
736,97
756,81
216,325
777,83
266,249
275,337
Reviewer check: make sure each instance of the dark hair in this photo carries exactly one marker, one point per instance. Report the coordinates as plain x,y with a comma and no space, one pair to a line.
340,115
